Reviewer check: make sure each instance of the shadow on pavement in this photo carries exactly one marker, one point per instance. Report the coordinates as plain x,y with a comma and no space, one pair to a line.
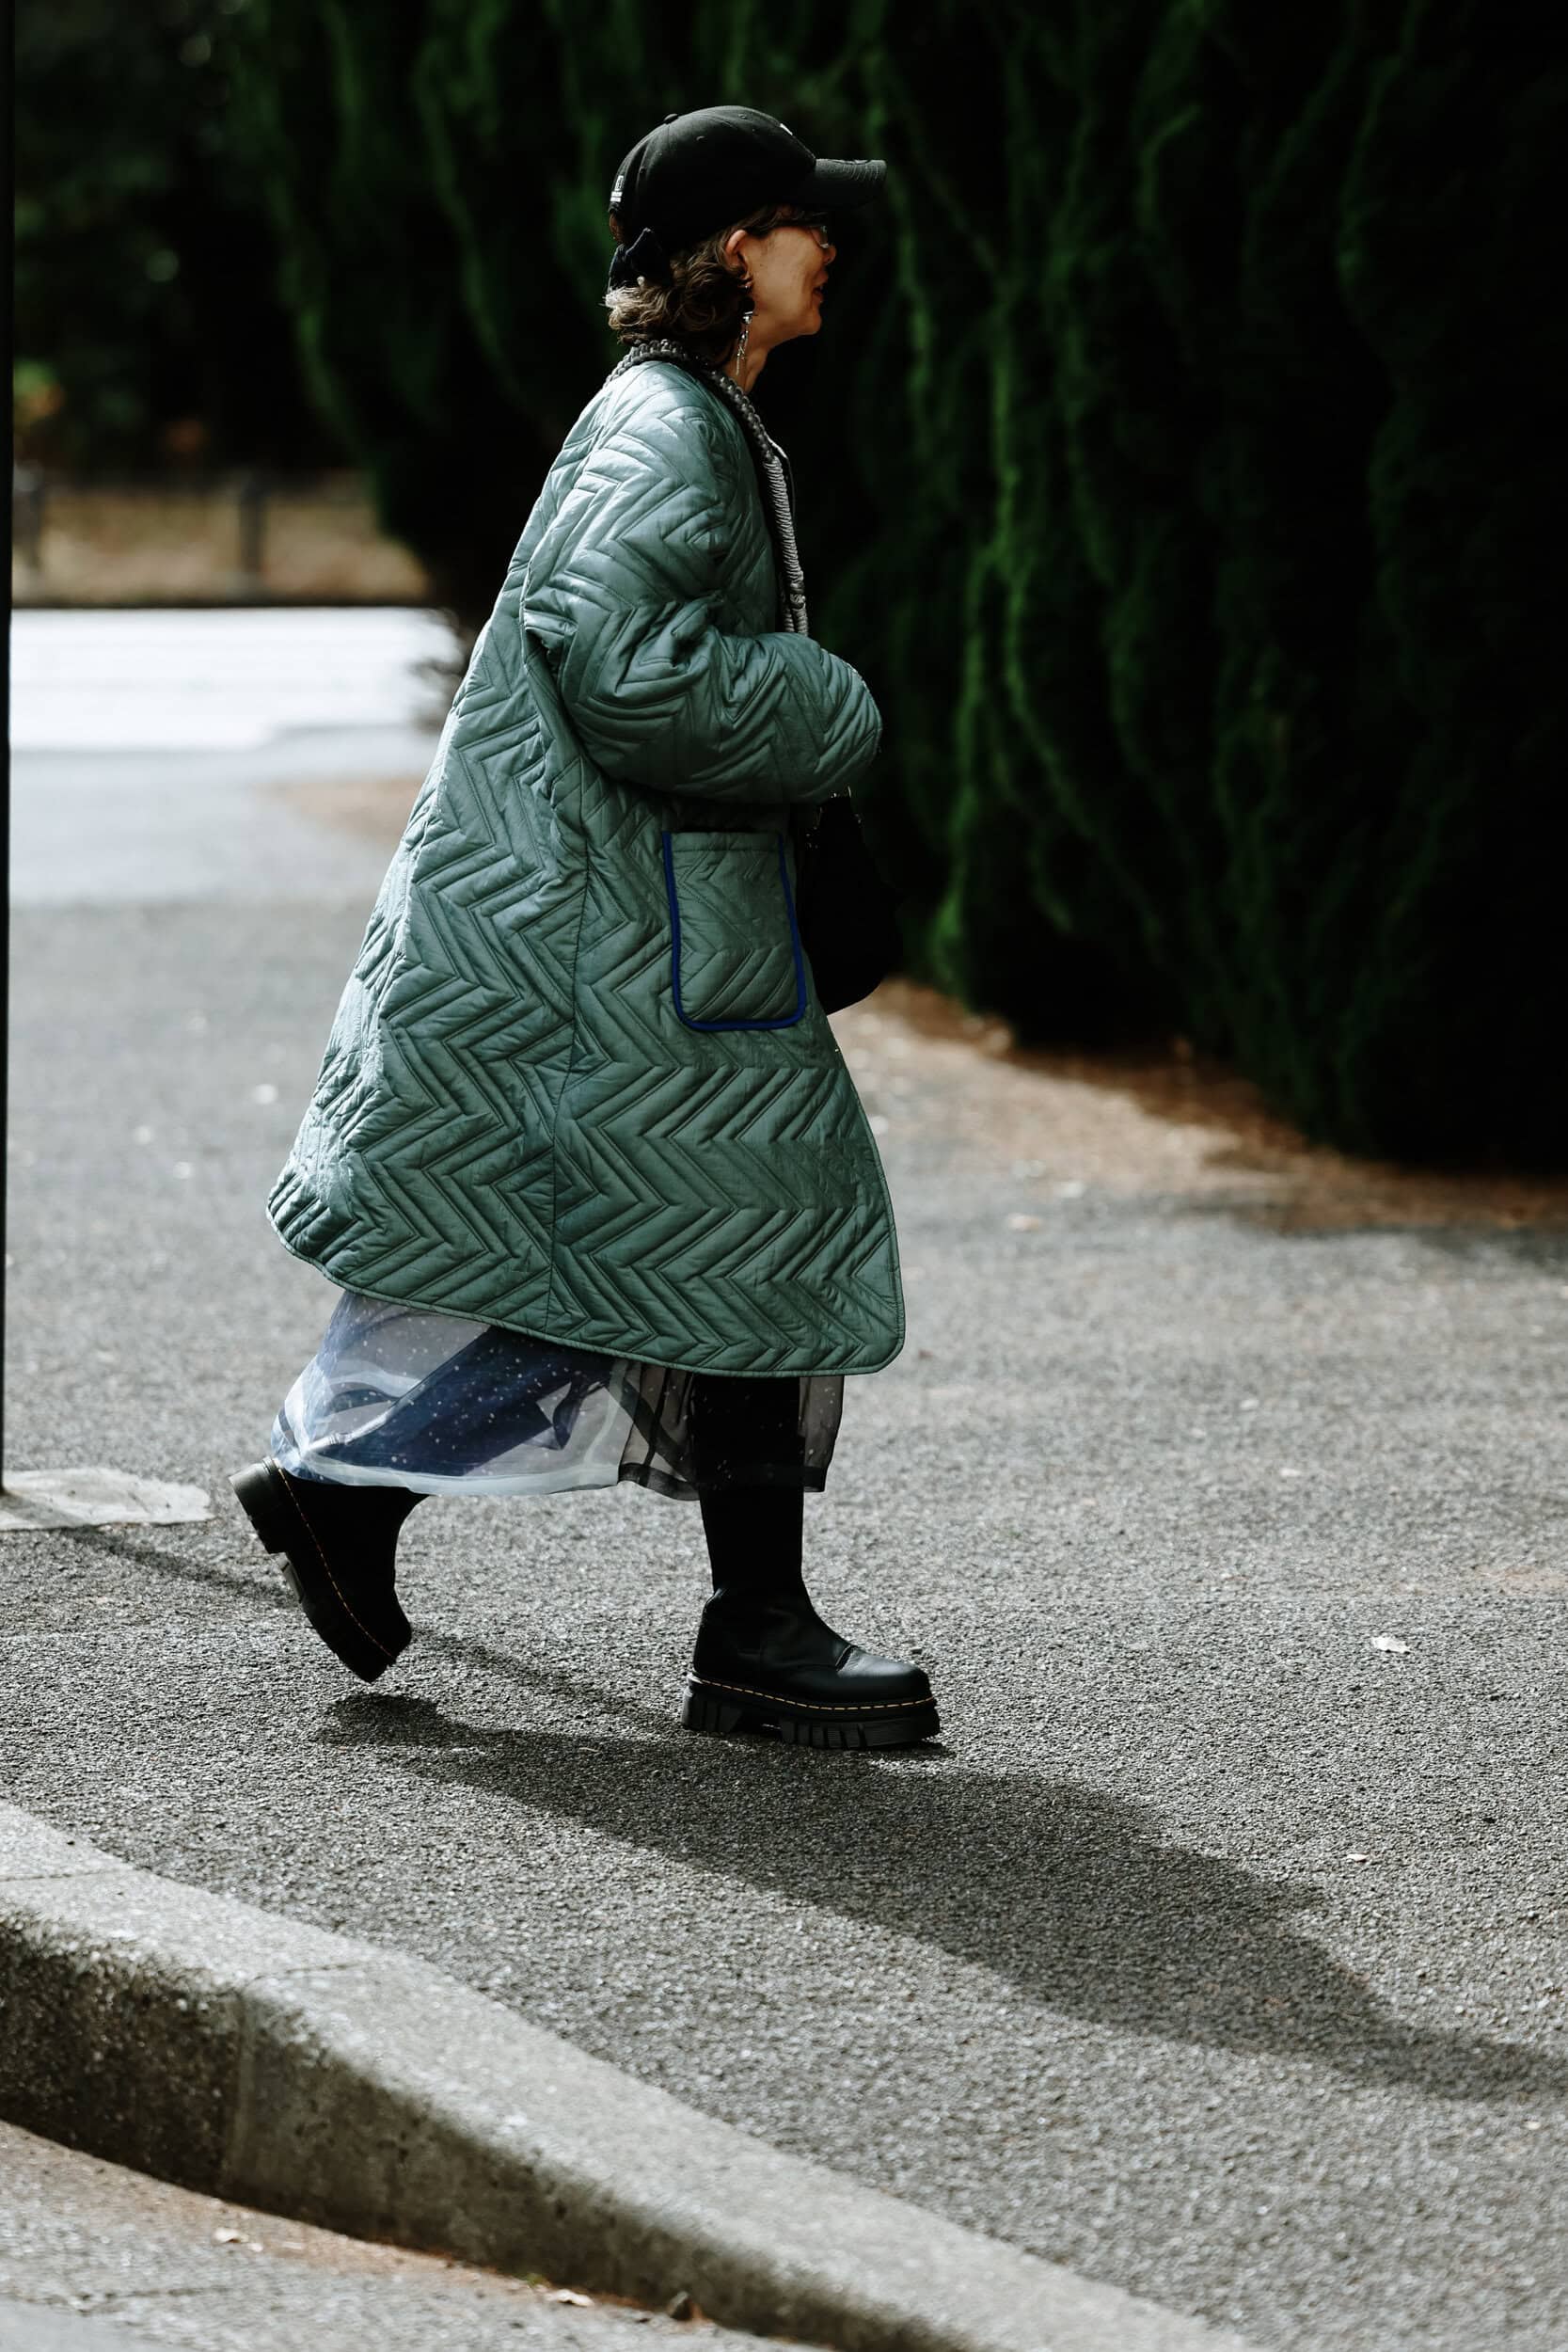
1073,1894
1070,1893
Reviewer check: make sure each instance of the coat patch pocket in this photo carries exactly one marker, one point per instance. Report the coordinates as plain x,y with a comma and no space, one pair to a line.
734,945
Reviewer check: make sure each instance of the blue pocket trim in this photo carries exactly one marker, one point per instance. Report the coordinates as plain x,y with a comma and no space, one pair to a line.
784,1020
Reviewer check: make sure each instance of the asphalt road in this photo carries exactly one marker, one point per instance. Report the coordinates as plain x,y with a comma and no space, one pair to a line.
97,2259
1216,1950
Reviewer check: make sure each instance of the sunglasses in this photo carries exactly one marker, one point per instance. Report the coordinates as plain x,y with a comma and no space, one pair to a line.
815,222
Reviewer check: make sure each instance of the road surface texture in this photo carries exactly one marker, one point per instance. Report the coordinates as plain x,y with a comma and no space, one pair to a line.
1216,1948
96,2259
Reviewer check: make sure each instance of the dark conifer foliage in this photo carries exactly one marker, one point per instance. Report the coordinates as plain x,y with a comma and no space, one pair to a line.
1181,460
148,335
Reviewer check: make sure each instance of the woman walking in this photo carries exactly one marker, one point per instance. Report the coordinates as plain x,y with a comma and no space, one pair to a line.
583,1154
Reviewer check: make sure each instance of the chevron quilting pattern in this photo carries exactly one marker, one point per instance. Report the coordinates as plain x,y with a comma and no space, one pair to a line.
511,1121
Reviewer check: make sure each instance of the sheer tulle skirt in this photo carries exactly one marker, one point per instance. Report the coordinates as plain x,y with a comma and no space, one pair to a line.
400,1396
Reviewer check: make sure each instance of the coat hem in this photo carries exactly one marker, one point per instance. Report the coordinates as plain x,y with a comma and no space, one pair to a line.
633,1352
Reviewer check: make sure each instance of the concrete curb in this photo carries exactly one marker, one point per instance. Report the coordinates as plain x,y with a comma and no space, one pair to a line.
233,2051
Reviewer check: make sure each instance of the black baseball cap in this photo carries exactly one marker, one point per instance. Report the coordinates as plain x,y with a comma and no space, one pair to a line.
697,173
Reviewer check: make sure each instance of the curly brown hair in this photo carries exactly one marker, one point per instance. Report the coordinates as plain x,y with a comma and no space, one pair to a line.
705,301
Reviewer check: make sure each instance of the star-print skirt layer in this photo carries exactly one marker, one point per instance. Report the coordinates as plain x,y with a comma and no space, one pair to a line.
401,1397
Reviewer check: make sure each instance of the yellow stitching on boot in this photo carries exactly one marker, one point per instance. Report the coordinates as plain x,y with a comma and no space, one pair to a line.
389,1654
820,1707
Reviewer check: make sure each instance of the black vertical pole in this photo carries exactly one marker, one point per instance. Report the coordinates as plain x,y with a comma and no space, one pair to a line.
7,29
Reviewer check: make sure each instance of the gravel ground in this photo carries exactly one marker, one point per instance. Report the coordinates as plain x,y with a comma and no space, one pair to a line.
1216,1950
96,2259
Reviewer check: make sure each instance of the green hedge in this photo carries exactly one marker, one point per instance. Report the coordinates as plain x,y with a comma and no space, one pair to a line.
1179,460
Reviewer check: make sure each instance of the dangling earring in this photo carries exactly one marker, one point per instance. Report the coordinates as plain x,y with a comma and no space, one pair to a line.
745,331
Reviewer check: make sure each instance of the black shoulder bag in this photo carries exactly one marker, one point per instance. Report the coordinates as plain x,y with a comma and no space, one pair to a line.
847,912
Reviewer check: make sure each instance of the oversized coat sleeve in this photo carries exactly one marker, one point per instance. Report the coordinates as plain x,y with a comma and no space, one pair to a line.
621,593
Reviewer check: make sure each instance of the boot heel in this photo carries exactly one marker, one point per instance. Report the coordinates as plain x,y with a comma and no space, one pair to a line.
701,1713
264,1504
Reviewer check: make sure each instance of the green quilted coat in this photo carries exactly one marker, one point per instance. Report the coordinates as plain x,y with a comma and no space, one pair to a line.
578,1083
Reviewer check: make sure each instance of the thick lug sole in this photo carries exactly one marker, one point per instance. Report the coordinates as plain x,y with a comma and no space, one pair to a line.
283,1528
719,1707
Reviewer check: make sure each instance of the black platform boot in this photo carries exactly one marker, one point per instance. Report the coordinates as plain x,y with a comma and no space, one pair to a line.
340,1551
764,1658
